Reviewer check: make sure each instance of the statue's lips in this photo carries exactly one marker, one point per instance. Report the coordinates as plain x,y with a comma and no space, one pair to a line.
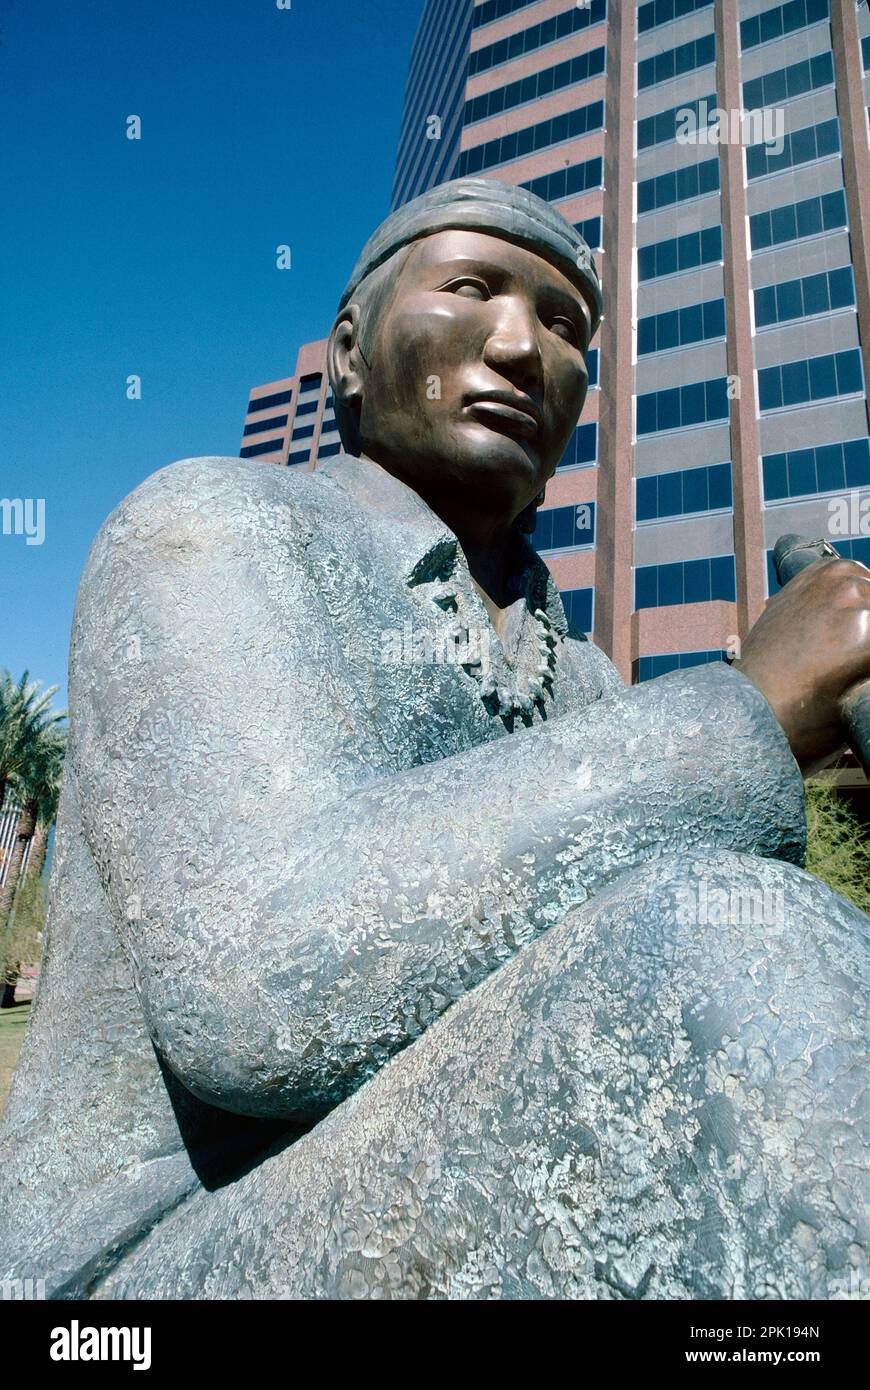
509,419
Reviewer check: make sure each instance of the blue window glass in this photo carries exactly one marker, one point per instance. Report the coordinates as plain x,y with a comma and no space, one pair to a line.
261,426
646,505
267,402
801,471
849,375
666,253
693,403
590,230
765,306
723,578
783,19
582,447
783,222
671,584
266,446
830,471
809,217
668,330
775,476
692,581
856,454
298,456
795,382
841,287
673,61
697,581
534,37
656,12
646,587
646,335
646,415
578,608
769,388
696,490
668,417
328,450
303,432
562,528
720,485
692,323
814,293
823,378
670,494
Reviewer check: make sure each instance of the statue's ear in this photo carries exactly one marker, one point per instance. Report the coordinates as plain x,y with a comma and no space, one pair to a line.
343,358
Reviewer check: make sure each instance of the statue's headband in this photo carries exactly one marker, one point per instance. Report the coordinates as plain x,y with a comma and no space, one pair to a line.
482,205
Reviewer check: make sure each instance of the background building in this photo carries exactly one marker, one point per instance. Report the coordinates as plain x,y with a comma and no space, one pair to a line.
736,287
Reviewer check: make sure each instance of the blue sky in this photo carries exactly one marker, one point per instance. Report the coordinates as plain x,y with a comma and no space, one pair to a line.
157,257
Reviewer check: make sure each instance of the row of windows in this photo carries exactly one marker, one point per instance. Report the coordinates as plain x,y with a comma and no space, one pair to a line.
679,185
578,608
582,121
327,450
582,448
303,432
811,379
696,404
679,253
539,84
563,528
675,61
679,327
266,446
298,456
795,220
592,366
267,402
798,147
857,548
826,468
797,14
657,12
306,408
647,668
683,492
310,381
564,183
656,130
260,426
686,581
590,230
536,36
789,82
798,299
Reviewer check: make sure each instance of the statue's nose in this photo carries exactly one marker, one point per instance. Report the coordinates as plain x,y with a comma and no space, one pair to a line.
513,348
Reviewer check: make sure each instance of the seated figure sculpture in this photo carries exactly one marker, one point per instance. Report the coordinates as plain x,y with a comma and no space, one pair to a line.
409,968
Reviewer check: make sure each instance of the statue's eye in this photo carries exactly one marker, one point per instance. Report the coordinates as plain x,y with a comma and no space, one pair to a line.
565,329
470,289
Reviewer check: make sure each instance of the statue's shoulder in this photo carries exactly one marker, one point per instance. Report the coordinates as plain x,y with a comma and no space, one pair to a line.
220,503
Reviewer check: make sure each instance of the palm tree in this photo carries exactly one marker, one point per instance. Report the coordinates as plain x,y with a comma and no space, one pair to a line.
25,713
31,759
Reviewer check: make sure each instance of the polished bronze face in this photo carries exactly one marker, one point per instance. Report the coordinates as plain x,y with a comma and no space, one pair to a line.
476,374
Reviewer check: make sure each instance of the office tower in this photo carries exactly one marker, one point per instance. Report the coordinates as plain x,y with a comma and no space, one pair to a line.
715,156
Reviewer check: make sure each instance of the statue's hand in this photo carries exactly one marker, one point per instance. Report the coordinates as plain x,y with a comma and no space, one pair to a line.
809,652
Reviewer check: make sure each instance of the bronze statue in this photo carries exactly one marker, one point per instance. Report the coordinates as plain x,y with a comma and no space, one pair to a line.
410,976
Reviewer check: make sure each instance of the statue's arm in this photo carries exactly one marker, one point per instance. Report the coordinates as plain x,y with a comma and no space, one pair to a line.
293,915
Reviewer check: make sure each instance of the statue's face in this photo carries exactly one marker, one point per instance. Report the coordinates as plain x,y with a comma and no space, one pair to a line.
478,370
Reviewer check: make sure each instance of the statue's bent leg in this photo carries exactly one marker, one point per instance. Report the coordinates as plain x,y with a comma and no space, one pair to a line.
652,1100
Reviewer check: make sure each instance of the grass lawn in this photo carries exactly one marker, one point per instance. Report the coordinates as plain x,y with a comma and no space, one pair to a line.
12,1024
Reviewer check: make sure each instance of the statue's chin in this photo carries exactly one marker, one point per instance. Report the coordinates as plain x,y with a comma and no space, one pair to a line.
493,448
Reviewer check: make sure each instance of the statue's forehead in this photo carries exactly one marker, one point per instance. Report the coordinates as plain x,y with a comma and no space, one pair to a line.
461,243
